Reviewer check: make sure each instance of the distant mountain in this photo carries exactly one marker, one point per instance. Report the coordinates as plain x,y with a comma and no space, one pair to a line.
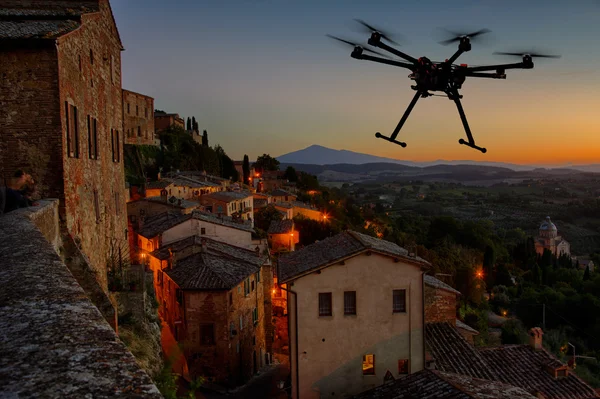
319,155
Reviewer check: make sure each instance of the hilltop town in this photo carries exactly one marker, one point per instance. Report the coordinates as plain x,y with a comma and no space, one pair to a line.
149,263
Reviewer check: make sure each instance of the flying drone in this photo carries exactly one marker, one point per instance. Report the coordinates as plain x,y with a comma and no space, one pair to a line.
431,76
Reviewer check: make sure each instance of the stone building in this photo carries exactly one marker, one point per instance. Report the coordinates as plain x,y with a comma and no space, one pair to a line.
61,119
283,236
163,121
355,309
138,119
550,239
279,195
215,297
230,203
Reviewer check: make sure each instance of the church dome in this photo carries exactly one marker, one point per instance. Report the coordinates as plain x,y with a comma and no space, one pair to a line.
547,225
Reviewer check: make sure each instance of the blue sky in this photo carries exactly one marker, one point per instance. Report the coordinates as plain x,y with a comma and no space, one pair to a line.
261,76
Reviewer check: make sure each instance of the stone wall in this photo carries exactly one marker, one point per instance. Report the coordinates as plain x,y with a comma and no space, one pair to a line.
138,118
55,343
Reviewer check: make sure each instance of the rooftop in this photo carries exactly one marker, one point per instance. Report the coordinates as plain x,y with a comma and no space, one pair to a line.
332,249
281,226
281,193
523,366
158,224
212,247
223,221
184,204
435,283
260,203
227,196
430,384
453,354
206,271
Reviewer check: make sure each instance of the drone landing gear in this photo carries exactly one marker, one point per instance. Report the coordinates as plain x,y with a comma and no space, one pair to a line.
392,138
453,95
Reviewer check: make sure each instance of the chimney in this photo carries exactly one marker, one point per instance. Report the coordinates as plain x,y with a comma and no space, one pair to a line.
535,338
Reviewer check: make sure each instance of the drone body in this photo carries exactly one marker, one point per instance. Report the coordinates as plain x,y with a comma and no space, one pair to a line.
430,76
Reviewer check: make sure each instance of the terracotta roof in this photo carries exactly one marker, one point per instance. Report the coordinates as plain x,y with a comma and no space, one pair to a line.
163,183
214,247
332,249
523,366
223,221
157,224
281,226
453,354
435,283
227,196
48,20
430,384
185,204
260,203
281,193
205,271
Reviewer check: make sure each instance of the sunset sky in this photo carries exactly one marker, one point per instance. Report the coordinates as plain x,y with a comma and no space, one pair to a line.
261,76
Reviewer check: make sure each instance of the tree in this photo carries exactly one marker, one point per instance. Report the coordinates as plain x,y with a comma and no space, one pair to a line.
266,162
265,216
586,274
205,138
489,259
189,124
290,174
245,169
194,124
308,182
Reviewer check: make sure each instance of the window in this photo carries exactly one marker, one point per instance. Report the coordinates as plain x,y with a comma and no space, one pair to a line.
403,366
115,144
399,301
207,334
230,298
113,70
92,137
80,64
72,130
247,287
137,110
146,112
117,204
232,331
128,109
325,304
91,57
368,365
255,315
252,286
258,277
202,230
241,323
139,131
97,206
349,302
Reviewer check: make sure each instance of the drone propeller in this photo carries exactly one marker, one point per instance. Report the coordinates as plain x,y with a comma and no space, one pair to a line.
355,45
372,29
528,53
457,36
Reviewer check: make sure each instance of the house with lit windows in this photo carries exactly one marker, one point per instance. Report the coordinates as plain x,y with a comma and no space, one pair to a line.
215,298
234,204
356,314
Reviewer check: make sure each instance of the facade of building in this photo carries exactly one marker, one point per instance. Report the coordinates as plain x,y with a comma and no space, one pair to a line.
182,188
283,236
163,121
550,239
230,203
60,63
215,299
278,196
345,334
138,119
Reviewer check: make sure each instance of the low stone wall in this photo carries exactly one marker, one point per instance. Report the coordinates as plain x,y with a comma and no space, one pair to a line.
54,341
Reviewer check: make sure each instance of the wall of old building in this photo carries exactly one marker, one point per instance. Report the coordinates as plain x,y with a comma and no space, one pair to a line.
90,78
30,120
138,118
331,348
440,305
308,213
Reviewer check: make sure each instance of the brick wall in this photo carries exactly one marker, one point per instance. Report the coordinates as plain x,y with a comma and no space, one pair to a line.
163,122
30,124
138,118
89,61
440,305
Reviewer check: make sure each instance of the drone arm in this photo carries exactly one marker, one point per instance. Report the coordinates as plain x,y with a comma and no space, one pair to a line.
451,60
378,43
456,97
383,61
486,75
518,65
